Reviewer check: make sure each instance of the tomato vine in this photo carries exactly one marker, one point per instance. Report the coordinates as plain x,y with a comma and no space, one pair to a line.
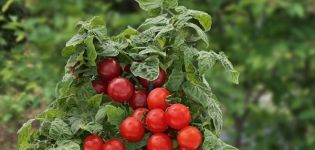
173,40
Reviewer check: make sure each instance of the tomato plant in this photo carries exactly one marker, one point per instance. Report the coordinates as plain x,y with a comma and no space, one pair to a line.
158,82
170,48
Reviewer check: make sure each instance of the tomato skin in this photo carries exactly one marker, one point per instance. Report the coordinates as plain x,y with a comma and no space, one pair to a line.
132,129
108,69
93,142
100,87
114,144
120,89
157,98
189,138
138,99
159,141
139,113
183,148
158,82
155,121
177,116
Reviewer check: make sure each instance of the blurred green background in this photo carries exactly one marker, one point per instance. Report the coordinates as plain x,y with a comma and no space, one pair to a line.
271,42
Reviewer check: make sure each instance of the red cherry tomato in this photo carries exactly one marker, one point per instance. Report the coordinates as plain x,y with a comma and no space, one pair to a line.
108,69
183,148
140,114
159,141
139,99
132,130
100,87
93,142
120,89
158,82
127,68
189,138
155,121
177,116
114,144
157,98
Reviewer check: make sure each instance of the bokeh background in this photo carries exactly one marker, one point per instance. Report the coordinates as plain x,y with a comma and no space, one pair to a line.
271,42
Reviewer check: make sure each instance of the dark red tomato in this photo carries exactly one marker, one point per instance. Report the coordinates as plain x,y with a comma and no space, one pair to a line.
127,68
93,142
108,69
177,116
120,89
157,98
114,144
140,113
189,138
159,141
139,99
132,129
158,82
183,148
155,121
100,87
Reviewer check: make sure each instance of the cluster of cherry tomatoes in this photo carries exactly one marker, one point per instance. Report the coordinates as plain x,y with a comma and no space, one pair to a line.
151,113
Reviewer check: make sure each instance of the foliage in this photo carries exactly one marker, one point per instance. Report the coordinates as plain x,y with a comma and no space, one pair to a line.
168,40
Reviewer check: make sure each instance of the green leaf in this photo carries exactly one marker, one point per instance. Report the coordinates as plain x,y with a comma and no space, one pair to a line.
6,5
115,115
50,114
203,18
152,50
112,48
24,135
211,142
66,145
175,80
127,33
60,130
76,124
95,101
201,34
233,74
93,127
158,20
206,60
203,95
100,115
91,52
70,47
149,69
170,3
148,5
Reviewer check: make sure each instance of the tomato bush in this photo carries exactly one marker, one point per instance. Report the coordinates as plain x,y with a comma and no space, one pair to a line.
169,49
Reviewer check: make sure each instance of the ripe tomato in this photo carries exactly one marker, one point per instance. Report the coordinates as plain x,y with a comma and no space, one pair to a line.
157,98
177,116
189,138
139,99
131,129
108,69
158,82
155,121
183,148
114,144
92,142
159,141
120,89
100,87
127,68
139,113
